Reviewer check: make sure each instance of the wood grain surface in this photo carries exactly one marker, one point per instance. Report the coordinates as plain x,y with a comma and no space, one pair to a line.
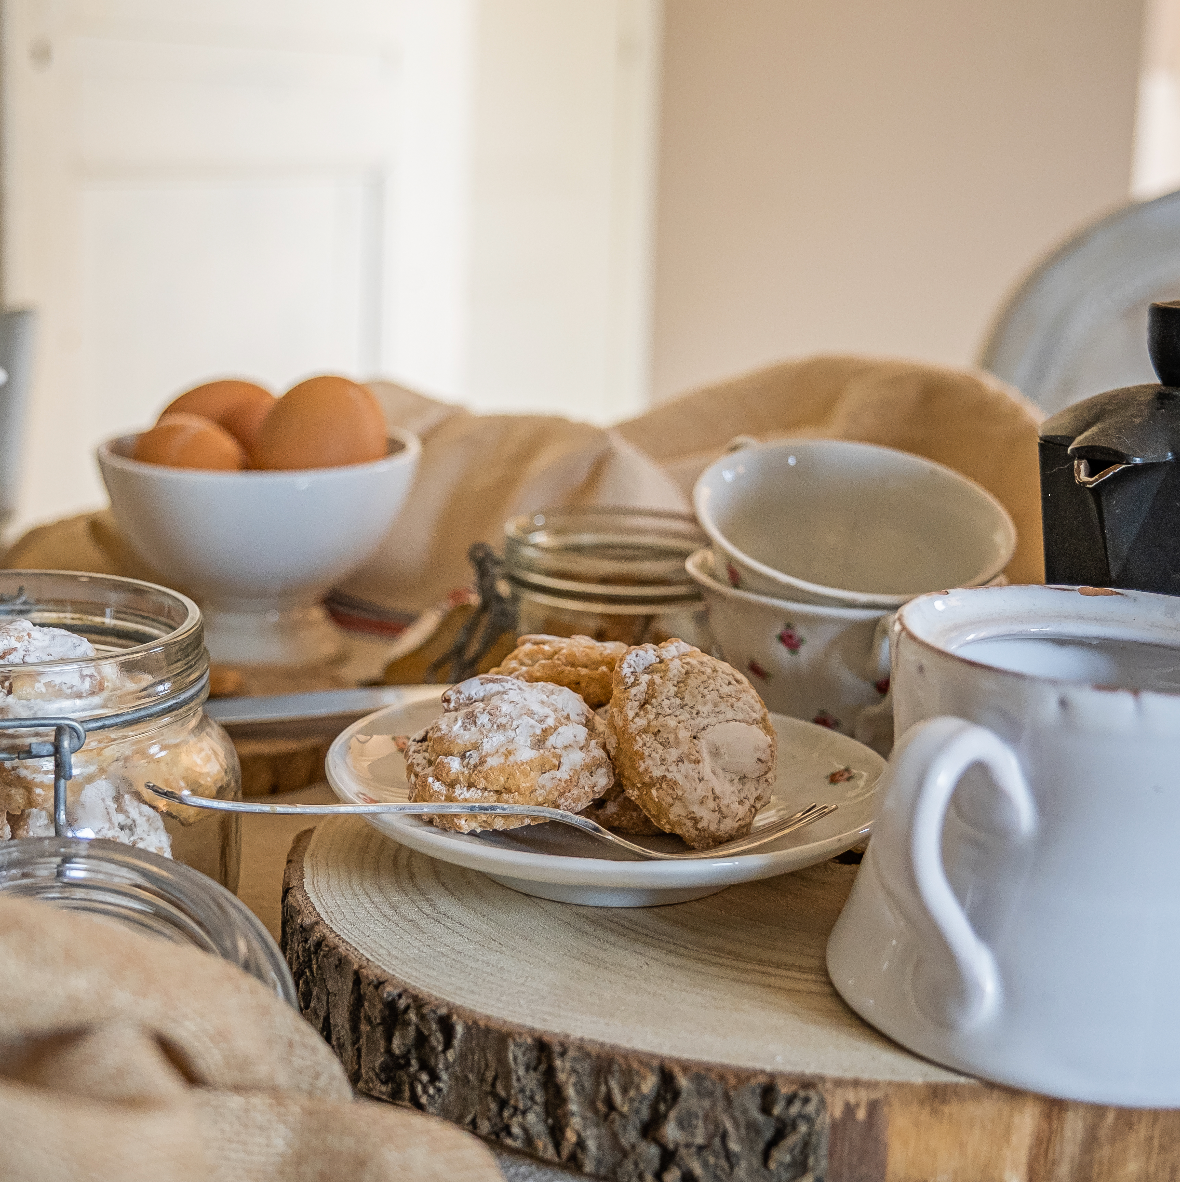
700,1041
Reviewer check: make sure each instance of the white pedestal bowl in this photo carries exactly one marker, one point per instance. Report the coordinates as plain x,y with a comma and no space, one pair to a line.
257,550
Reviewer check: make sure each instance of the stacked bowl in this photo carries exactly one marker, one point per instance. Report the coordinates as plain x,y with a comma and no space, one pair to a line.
815,543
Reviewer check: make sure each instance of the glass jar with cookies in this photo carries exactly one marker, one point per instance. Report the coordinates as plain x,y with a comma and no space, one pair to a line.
607,573
115,670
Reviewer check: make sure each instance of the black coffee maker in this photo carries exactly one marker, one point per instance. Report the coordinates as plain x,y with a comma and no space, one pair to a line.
1110,483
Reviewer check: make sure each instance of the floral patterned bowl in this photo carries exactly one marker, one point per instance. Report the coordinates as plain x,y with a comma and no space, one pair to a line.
853,524
821,664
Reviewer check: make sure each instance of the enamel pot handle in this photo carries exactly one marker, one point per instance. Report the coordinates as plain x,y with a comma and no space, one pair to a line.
925,770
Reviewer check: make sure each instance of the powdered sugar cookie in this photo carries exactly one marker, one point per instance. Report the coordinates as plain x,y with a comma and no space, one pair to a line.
586,666
101,808
28,783
505,741
694,747
615,809
29,686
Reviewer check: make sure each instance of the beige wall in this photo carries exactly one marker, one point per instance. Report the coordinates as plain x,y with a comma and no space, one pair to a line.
873,176
560,207
1157,127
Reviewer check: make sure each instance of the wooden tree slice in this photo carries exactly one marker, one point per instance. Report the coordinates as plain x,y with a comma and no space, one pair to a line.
701,1041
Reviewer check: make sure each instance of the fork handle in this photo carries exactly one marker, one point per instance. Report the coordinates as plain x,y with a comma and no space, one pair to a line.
739,845
423,808
813,812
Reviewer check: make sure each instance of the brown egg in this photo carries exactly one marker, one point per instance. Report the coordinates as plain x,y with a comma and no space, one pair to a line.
325,422
188,441
236,405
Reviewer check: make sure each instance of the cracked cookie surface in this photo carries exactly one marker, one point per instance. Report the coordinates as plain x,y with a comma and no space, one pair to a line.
694,747
505,741
579,663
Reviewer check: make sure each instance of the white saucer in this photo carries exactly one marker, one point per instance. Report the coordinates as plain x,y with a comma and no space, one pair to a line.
555,862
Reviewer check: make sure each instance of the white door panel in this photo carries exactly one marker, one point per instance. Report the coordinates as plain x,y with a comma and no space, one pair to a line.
453,193
266,22
289,299
170,103
185,201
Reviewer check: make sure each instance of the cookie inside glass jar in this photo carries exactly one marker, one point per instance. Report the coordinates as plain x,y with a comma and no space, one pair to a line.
124,663
51,672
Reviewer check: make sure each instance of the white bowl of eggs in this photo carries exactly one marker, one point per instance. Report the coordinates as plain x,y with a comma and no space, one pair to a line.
256,505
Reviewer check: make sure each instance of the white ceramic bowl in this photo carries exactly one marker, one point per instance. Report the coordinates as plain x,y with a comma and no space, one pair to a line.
821,664
828,521
257,550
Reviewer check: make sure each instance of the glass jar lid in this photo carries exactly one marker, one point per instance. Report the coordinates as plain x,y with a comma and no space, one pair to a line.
149,645
611,555
153,894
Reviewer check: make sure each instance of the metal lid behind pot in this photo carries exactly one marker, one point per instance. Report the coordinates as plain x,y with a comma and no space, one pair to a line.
1135,424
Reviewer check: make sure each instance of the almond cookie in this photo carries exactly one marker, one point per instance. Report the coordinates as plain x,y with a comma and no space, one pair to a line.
36,680
28,784
615,809
586,666
505,741
694,745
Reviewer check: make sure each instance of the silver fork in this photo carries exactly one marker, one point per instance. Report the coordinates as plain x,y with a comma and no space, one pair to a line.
807,816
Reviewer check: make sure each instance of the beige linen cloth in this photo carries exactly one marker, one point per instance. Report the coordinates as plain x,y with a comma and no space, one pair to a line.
127,1059
478,470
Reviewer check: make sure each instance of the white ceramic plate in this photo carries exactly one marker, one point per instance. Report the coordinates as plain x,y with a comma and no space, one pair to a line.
556,862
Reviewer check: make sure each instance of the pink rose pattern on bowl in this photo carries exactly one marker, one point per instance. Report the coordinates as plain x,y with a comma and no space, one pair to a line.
791,640
817,663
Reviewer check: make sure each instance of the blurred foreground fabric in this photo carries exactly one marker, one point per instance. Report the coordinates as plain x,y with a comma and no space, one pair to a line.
124,1058
479,470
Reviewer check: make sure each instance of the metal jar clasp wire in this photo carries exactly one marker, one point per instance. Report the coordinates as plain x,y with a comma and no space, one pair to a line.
68,737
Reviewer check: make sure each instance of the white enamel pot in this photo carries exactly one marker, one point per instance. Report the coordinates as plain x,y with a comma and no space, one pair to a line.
1018,912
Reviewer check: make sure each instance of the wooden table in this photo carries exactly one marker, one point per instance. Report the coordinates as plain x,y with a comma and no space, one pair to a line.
700,1041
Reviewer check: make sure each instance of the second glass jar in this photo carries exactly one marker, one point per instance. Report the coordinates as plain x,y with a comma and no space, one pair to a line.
607,573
